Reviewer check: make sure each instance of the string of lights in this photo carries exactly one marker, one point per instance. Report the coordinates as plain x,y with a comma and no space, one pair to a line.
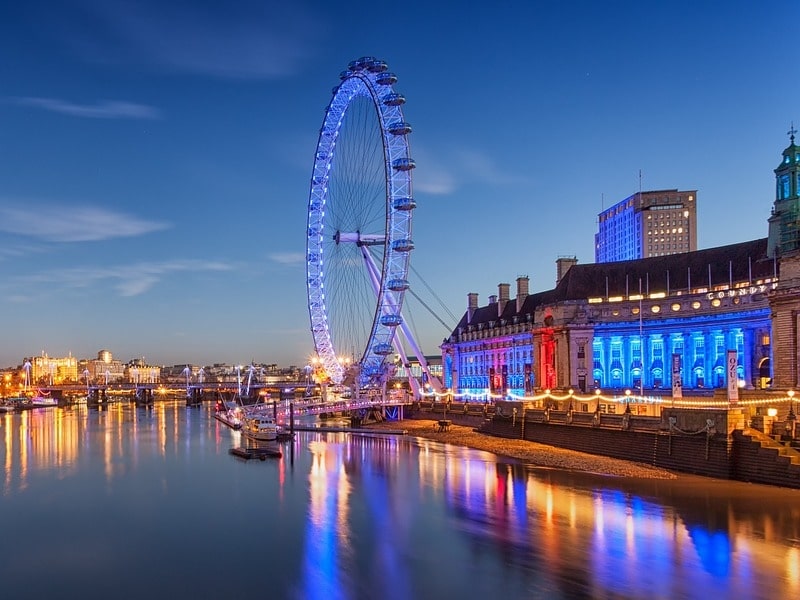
627,398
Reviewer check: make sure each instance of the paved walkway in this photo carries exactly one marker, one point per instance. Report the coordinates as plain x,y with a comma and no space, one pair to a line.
529,452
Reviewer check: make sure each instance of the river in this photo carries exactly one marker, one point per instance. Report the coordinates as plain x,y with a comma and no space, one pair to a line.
128,502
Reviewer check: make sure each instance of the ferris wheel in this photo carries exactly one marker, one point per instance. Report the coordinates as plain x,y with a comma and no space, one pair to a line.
359,224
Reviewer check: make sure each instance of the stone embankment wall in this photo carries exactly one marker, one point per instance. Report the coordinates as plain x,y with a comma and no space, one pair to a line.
712,443
700,453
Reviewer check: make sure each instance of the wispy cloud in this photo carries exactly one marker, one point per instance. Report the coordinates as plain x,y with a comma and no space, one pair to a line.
435,180
288,258
107,109
483,168
444,172
14,251
244,40
432,176
54,223
128,280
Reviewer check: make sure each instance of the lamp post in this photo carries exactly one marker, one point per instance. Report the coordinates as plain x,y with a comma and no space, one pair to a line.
597,393
627,401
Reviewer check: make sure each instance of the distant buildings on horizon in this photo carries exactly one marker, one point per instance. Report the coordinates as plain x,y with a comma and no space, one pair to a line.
105,369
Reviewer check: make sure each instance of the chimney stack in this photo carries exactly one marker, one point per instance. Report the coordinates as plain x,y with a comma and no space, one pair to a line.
503,297
522,291
563,264
472,306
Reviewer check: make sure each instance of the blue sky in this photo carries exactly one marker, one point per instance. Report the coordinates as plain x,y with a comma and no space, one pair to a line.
155,157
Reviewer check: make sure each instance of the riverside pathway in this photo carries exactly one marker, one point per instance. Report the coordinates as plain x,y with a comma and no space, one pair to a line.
528,452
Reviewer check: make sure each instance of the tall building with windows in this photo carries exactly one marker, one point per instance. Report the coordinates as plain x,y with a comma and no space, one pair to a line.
654,223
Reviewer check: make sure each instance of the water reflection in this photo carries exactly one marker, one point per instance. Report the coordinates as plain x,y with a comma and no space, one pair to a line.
360,516
575,534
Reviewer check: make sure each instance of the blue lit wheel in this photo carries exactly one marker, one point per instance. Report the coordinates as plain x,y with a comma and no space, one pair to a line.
359,224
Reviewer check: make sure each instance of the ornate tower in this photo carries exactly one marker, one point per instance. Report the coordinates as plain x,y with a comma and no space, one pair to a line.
784,223
784,245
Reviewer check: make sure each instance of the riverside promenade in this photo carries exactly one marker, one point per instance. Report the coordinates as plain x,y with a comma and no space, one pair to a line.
528,452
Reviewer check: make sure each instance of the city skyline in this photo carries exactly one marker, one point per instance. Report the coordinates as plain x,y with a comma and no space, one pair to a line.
157,160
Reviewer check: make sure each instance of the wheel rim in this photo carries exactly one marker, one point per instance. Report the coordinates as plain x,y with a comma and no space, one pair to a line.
359,213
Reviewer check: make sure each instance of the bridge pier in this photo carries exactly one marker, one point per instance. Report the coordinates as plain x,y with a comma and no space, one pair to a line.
143,396
194,397
96,396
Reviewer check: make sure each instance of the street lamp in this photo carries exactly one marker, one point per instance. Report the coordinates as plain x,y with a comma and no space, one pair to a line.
791,419
628,401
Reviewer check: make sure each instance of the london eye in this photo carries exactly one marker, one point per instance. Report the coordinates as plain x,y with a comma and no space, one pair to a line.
359,225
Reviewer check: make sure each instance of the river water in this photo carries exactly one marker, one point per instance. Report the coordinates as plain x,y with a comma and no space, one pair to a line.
129,502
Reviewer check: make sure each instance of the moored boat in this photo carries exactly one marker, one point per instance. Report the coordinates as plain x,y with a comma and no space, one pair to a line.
260,427
44,401
230,414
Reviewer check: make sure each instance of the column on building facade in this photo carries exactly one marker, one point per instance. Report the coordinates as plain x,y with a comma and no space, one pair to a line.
647,376
481,368
688,359
495,360
559,374
626,353
672,339
709,349
511,361
749,350
455,368
691,357
606,360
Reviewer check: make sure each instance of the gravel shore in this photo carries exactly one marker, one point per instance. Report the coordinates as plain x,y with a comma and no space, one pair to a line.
528,452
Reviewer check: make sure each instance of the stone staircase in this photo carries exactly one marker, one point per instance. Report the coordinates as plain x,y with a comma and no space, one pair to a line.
761,458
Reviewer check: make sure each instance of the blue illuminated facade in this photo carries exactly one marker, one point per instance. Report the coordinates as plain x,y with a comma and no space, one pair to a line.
570,338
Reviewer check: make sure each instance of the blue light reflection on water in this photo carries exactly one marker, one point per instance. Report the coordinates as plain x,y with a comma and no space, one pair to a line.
148,502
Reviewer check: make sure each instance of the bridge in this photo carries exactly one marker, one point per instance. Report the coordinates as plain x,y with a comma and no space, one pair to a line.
287,399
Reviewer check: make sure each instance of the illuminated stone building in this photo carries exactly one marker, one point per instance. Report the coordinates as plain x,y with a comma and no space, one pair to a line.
50,370
138,371
103,369
655,223
644,324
